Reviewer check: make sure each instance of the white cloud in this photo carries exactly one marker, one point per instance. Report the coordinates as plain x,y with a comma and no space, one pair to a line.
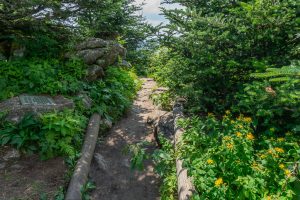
150,7
151,10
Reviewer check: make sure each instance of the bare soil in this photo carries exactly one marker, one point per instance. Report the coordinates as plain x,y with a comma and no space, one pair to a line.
27,178
114,179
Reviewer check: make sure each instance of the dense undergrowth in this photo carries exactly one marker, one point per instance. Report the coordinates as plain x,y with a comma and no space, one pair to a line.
61,133
54,134
230,59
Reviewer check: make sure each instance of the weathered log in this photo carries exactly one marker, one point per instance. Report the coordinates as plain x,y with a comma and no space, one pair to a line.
82,168
185,186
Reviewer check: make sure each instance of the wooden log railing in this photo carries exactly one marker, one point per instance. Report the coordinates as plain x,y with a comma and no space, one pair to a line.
185,186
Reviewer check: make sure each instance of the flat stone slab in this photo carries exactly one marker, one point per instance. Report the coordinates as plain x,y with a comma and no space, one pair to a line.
17,107
36,100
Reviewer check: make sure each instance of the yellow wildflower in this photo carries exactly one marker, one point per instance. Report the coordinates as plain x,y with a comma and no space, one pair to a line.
238,134
238,126
279,150
229,146
232,121
281,166
218,182
227,138
227,112
247,119
263,156
210,161
280,139
250,136
270,151
287,173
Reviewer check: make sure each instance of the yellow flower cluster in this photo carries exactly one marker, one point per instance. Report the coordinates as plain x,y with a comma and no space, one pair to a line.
230,146
218,182
239,126
210,161
245,119
287,173
279,150
250,136
282,166
238,134
262,156
280,139
226,138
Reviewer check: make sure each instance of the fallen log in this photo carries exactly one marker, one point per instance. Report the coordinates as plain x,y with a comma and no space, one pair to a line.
82,168
185,186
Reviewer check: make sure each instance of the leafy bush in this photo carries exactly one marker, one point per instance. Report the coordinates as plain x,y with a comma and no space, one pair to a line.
62,134
40,76
165,167
164,100
24,136
52,134
227,161
113,95
275,102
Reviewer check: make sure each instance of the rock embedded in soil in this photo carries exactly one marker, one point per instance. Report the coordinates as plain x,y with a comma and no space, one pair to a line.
12,155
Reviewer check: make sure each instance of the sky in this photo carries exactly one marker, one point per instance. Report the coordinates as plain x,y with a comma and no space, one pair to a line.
151,11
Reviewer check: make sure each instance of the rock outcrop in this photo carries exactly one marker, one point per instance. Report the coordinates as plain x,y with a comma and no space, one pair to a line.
98,54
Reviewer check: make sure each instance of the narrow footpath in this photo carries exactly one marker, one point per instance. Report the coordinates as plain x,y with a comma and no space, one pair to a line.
111,169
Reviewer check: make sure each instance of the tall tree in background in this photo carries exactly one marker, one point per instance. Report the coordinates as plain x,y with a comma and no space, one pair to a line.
222,42
41,24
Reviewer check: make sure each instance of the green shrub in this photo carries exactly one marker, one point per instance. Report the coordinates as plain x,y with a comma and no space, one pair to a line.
164,100
165,166
24,136
40,76
62,134
51,134
275,102
227,161
113,95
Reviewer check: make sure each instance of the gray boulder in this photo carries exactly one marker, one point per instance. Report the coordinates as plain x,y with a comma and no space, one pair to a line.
94,72
165,125
124,63
90,56
101,63
92,43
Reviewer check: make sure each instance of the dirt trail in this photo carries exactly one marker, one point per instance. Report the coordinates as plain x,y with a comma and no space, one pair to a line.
114,179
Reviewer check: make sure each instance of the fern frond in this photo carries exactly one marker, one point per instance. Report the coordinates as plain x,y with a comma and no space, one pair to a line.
283,74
